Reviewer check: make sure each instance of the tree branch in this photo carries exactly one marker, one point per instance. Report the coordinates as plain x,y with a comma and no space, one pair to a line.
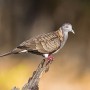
33,81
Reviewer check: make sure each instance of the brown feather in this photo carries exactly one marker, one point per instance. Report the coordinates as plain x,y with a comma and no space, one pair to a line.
44,43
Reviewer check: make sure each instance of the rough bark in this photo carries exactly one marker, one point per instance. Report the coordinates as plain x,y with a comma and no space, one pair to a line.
33,82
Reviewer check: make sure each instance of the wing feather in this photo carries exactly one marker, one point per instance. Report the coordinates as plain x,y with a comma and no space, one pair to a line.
44,43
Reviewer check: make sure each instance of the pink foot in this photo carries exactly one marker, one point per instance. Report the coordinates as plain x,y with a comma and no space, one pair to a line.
50,58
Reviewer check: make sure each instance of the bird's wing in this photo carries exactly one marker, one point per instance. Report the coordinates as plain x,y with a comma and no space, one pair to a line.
44,43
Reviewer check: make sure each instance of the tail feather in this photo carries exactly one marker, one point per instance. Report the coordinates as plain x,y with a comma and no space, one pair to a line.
9,53
15,51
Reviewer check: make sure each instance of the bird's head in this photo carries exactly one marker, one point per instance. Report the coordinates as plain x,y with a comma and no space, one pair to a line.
67,27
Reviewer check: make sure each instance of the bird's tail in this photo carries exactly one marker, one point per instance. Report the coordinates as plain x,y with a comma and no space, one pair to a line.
5,54
14,51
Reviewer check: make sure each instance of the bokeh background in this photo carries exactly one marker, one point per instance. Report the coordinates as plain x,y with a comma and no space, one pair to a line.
22,19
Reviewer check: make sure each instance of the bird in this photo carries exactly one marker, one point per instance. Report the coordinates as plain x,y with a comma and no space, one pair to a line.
44,44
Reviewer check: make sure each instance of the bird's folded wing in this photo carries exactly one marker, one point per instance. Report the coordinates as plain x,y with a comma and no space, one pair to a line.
44,43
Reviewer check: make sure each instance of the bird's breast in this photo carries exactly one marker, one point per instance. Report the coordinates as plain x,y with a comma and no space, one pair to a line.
65,37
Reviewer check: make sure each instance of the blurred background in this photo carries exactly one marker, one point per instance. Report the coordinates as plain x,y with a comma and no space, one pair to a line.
22,19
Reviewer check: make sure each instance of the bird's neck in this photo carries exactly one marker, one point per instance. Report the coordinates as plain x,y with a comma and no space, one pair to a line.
65,37
65,34
59,34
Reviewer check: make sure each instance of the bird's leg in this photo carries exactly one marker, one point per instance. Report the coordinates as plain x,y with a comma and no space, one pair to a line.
50,58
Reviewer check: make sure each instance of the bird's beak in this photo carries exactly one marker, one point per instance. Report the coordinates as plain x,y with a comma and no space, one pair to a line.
72,31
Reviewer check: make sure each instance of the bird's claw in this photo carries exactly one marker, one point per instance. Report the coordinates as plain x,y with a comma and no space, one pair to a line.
50,58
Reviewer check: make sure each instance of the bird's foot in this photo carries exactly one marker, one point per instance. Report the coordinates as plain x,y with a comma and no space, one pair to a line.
50,58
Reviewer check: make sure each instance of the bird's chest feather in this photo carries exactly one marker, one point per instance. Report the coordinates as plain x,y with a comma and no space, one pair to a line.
65,36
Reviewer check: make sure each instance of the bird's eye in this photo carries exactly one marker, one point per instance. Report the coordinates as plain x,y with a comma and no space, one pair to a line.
66,26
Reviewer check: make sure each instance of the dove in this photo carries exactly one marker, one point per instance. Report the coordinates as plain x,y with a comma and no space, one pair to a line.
44,44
